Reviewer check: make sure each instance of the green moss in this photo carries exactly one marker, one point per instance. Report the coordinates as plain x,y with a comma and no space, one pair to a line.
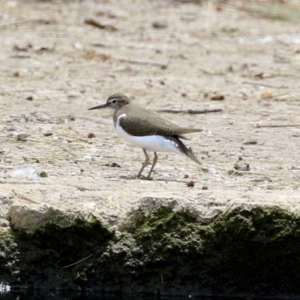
165,234
259,251
8,256
243,251
45,255
71,240
253,251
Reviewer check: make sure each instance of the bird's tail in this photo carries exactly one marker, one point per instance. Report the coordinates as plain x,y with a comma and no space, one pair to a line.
183,149
191,155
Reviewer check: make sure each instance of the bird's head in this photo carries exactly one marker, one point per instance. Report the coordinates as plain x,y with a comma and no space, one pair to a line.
115,101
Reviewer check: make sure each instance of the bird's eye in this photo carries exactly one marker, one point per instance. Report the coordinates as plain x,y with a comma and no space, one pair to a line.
114,101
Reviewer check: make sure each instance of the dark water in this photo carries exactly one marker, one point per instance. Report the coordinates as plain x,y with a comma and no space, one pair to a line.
100,296
93,296
43,295
72,295
75,296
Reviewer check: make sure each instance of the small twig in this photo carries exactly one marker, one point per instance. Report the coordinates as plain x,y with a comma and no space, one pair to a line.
34,90
35,140
113,204
25,198
99,25
208,72
91,120
276,126
266,85
250,173
9,25
191,111
141,62
38,21
129,46
77,262
279,95
94,23
66,150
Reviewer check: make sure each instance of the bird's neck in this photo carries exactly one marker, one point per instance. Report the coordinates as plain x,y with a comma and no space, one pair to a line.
116,114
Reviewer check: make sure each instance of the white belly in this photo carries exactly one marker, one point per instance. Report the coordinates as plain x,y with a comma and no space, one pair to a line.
155,143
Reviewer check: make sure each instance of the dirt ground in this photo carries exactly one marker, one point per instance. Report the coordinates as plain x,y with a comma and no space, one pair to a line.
59,58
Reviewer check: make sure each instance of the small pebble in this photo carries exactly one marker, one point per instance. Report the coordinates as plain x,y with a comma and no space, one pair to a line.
71,118
91,135
266,94
190,183
22,137
43,174
250,142
47,133
41,117
217,97
159,24
241,166
112,164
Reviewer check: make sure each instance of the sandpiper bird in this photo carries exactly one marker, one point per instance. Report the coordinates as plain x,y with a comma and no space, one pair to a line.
147,130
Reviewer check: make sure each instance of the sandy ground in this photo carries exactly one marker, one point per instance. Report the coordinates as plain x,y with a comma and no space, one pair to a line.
164,55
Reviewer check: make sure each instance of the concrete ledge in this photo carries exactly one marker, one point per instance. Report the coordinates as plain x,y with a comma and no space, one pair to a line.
161,246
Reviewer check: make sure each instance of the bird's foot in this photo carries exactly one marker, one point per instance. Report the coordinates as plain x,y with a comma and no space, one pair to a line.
129,177
142,177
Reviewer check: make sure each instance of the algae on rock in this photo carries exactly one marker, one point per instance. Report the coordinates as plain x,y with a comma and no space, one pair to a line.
49,240
251,251
161,247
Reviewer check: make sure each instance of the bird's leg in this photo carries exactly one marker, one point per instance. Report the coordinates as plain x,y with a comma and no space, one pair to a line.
154,163
145,163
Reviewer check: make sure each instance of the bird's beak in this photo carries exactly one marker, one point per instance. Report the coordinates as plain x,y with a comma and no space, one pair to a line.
99,106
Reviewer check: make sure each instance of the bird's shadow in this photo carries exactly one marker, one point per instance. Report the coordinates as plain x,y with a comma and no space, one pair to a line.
132,177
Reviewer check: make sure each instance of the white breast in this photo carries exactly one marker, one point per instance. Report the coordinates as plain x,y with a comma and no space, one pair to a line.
155,143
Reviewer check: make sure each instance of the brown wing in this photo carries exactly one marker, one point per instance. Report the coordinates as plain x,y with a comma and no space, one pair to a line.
141,122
